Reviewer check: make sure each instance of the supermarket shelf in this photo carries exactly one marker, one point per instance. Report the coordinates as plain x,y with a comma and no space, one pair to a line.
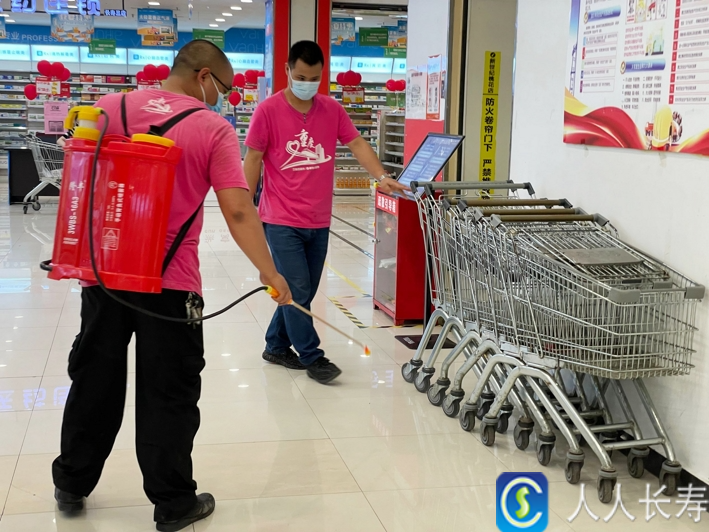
391,143
352,192
392,134
394,153
393,165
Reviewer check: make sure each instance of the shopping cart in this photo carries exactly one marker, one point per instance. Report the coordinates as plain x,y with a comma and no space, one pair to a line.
553,294
49,160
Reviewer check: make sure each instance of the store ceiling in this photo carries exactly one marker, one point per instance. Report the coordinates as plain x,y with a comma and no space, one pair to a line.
204,13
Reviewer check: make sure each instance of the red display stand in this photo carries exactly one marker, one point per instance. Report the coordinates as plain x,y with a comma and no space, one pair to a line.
399,259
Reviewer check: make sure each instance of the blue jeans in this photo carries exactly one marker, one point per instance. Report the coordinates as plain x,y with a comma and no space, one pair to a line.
299,255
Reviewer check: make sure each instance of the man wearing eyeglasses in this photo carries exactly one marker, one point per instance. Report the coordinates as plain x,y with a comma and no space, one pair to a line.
169,356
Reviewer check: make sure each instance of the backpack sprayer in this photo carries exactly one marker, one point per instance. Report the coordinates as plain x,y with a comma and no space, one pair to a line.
114,209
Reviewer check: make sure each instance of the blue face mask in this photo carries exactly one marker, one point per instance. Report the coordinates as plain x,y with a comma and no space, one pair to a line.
303,90
217,107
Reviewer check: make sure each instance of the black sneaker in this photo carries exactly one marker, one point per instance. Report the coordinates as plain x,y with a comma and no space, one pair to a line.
323,371
287,358
68,502
204,508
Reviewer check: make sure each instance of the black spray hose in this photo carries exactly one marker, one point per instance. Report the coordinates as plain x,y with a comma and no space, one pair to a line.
110,293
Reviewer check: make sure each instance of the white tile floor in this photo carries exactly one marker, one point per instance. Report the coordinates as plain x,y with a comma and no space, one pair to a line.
278,451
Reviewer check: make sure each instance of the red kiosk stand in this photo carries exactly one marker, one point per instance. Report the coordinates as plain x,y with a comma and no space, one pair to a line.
399,259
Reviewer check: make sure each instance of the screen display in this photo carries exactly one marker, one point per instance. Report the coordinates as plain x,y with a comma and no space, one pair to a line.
430,158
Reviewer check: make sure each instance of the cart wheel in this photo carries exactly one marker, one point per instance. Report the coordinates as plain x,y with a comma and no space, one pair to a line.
467,420
636,466
573,472
484,408
605,488
521,438
503,423
36,205
423,382
451,406
544,453
24,208
669,481
487,434
409,372
436,395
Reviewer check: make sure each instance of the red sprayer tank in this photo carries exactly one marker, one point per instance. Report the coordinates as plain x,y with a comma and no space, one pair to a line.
132,198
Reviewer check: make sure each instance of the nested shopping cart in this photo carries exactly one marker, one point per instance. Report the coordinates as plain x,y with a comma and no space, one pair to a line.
555,302
49,160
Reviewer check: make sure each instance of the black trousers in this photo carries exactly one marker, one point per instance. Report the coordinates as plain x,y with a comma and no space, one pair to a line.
169,359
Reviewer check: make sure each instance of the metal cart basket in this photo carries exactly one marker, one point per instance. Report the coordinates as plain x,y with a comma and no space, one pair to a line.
49,160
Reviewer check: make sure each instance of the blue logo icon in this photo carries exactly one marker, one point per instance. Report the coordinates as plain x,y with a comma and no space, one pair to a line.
522,502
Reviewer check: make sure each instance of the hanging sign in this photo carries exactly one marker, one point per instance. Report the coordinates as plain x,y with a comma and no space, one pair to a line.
54,115
102,46
51,87
157,27
342,30
373,36
216,37
143,85
352,96
433,98
72,28
490,110
395,52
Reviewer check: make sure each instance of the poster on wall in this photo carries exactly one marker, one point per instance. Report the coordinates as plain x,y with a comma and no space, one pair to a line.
157,27
54,115
416,84
433,98
3,33
638,75
489,115
72,28
342,30
52,87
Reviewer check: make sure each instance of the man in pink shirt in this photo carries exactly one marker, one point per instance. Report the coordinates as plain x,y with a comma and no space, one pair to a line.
169,356
294,134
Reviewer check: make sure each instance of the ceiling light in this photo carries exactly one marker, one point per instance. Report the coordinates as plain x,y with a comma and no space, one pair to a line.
227,14
234,370
4,15
359,18
220,20
226,354
153,3
9,20
236,8
214,25
3,365
246,1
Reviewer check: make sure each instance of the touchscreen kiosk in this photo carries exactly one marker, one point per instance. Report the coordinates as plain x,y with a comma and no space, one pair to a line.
430,159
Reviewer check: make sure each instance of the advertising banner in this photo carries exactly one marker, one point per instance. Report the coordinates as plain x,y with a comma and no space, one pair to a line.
72,28
416,85
157,27
216,37
637,75
49,87
342,30
268,56
3,33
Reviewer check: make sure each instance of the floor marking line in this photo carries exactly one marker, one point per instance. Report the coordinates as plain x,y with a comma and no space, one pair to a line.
344,278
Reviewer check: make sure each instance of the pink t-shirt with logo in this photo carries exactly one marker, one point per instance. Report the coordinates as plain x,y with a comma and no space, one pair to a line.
299,159
211,158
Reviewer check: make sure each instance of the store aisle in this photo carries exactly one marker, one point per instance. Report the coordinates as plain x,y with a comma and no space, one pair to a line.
279,451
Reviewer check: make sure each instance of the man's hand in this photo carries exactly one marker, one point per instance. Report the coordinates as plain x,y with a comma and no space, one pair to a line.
279,283
391,186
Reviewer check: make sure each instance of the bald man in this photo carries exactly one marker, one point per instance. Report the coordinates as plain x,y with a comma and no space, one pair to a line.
169,356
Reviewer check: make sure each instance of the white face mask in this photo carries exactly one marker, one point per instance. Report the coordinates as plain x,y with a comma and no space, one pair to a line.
303,90
217,108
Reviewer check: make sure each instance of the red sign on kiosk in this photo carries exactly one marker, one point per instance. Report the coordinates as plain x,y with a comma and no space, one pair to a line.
386,204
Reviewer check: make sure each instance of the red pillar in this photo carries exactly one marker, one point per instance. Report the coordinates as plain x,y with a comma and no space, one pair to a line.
283,36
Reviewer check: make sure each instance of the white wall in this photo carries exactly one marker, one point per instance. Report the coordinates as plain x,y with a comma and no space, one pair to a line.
659,202
491,27
427,30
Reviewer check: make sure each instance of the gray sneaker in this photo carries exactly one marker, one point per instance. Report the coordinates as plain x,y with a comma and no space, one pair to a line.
287,359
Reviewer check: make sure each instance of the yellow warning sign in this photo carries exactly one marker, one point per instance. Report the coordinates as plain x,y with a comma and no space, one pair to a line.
488,126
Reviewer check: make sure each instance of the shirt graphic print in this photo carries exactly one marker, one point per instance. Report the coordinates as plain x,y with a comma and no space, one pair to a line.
304,153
